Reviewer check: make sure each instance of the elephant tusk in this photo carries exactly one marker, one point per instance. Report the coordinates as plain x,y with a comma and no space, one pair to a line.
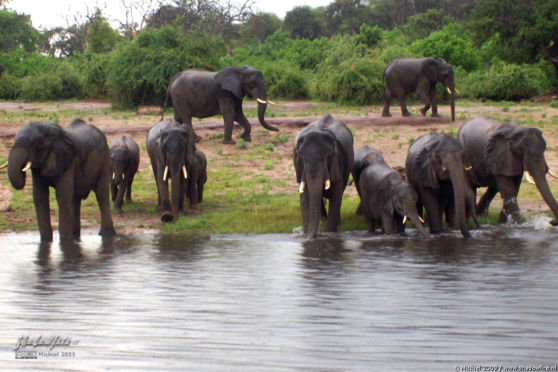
529,178
5,165
444,169
457,90
113,176
185,173
404,220
421,220
165,172
270,102
301,188
449,90
261,100
469,168
122,176
552,174
27,166
327,184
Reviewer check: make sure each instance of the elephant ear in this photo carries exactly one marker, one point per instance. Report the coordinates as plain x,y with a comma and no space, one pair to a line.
63,150
333,159
499,153
426,174
298,163
430,69
230,79
385,199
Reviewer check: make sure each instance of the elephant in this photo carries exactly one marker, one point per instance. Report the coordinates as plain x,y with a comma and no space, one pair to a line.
74,160
403,76
125,156
387,199
435,168
197,178
200,94
171,149
499,154
323,159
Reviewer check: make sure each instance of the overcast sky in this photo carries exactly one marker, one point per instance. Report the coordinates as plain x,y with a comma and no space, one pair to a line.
50,13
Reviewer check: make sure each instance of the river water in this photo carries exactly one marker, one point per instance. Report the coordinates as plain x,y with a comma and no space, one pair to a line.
278,302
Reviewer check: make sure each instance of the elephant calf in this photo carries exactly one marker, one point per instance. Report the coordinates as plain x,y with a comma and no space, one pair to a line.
386,197
74,160
323,159
197,178
125,155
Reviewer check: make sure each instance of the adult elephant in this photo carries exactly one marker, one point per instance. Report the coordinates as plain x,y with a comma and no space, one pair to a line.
75,161
386,196
435,169
200,94
171,149
125,155
323,159
499,154
403,76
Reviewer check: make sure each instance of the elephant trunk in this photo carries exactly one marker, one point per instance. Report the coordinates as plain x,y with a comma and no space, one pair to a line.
457,177
452,104
314,189
120,186
16,161
542,186
414,217
261,112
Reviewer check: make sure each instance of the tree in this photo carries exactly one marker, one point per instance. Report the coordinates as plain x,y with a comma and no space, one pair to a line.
302,22
527,30
102,38
260,26
16,32
346,16
136,14
421,25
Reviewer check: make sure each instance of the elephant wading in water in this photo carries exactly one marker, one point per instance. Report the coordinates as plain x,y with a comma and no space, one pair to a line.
323,159
387,199
499,154
200,94
403,76
171,149
73,160
435,168
125,155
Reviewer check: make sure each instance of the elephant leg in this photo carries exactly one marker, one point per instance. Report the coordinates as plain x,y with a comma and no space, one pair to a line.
101,194
228,112
163,187
484,202
334,213
77,215
509,189
113,190
433,100
432,206
129,180
65,199
404,110
423,91
184,185
387,102
188,123
42,209
242,120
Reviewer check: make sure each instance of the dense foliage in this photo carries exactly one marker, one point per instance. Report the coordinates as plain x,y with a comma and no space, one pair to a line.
500,49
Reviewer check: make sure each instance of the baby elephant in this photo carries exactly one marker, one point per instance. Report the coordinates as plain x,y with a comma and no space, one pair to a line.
124,153
197,179
386,197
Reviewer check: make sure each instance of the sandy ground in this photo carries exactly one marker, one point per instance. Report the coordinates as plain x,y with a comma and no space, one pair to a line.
391,136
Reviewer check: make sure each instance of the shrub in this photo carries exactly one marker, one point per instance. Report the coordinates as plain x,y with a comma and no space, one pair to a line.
506,82
285,80
63,82
10,86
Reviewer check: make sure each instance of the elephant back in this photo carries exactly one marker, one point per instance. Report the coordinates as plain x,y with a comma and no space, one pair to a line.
87,138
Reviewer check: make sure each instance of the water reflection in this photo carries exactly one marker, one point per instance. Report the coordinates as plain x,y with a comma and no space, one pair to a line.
349,301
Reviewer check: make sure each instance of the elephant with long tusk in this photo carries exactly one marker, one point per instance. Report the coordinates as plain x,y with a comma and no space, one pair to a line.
323,159
201,94
502,154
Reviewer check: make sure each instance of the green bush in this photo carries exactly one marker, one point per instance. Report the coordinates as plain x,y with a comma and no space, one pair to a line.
139,72
63,82
283,80
10,86
509,82
95,69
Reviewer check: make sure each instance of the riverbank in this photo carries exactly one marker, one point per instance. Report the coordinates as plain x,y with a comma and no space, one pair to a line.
251,186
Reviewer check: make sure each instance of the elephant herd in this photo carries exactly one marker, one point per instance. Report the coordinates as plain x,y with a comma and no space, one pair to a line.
443,174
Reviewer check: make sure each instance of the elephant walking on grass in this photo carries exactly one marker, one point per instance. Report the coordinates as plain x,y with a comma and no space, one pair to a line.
404,76
171,149
387,199
323,158
435,169
201,94
499,154
74,160
125,155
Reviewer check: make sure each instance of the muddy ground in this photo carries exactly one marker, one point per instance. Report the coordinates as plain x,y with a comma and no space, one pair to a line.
389,135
